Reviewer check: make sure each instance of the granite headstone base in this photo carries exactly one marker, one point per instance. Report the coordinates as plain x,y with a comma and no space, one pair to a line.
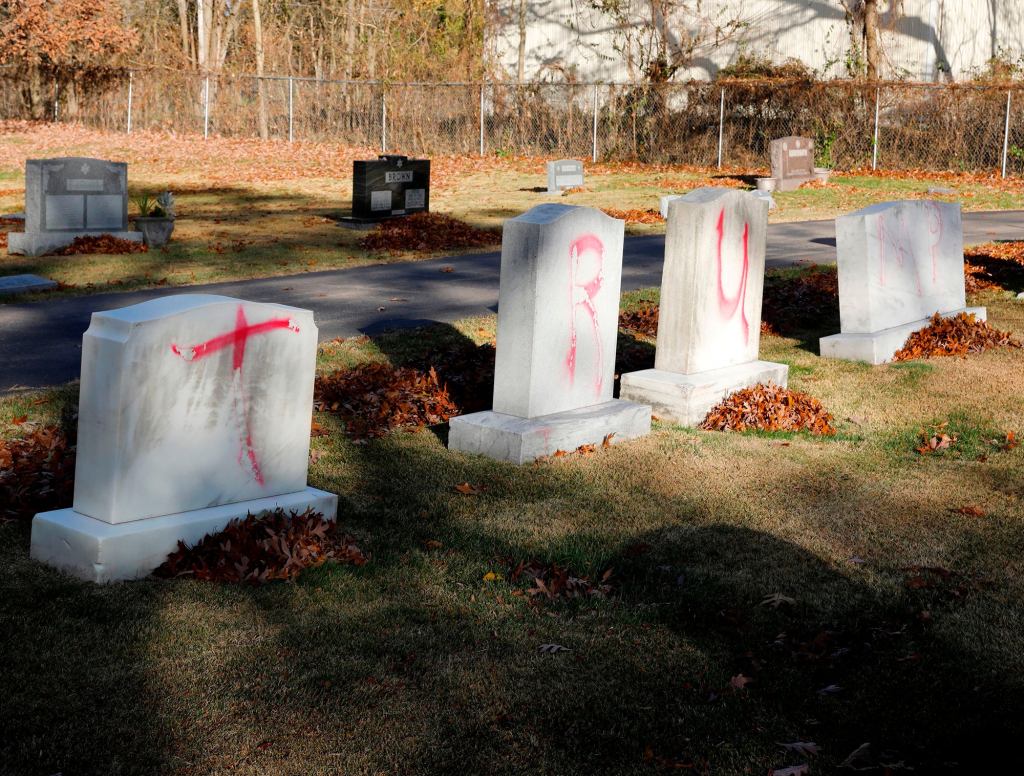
520,440
686,399
41,243
96,551
22,284
878,347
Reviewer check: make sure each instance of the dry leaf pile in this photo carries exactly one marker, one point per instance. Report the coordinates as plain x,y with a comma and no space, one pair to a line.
37,472
769,408
936,439
635,215
995,266
9,225
797,303
958,335
643,320
372,399
258,549
428,232
549,581
100,243
468,373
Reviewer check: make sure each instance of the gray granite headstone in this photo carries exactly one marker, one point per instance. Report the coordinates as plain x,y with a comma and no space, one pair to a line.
564,174
20,284
72,196
792,161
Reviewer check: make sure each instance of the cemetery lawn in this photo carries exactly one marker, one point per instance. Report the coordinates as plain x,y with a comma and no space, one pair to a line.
249,209
765,590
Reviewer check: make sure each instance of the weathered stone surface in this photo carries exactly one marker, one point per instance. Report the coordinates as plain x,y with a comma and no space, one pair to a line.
899,264
879,347
519,440
792,160
558,308
564,174
686,399
709,326
76,194
192,401
42,243
558,313
103,552
710,310
21,284
193,409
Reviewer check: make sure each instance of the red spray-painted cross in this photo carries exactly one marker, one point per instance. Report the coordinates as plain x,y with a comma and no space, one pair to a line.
236,340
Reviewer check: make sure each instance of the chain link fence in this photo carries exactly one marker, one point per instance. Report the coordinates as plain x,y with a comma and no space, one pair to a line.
963,128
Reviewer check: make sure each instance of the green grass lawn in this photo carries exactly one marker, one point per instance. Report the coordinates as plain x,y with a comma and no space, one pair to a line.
418,662
248,210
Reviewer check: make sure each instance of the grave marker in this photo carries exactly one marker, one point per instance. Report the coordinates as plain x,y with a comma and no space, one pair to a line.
709,323
194,409
70,197
899,264
557,330
564,174
792,160
391,185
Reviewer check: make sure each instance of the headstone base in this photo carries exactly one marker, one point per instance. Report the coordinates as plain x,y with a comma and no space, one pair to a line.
41,243
880,346
519,440
791,184
686,399
96,551
21,284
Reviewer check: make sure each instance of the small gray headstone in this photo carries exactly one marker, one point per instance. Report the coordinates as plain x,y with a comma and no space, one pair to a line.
792,161
20,284
564,174
941,190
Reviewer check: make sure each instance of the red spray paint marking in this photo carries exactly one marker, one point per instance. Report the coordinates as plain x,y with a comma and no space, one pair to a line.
900,243
935,228
590,287
236,339
727,306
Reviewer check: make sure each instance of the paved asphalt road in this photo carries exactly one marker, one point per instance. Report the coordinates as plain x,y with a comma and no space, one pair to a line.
40,342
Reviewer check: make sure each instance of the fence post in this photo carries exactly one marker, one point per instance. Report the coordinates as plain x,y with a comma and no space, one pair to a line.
1006,133
383,124
874,145
594,132
482,86
206,107
291,114
130,80
56,98
721,126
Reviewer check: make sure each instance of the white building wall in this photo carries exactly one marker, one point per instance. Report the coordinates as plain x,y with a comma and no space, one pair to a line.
570,40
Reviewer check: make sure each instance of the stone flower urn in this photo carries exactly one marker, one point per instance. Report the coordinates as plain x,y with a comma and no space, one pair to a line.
156,231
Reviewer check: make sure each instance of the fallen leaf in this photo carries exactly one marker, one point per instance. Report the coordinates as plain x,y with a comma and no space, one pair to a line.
801,747
740,682
775,600
970,511
551,649
490,576
791,770
467,490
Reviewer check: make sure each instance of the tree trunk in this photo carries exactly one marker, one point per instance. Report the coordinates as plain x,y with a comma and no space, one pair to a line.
871,47
521,72
186,35
261,89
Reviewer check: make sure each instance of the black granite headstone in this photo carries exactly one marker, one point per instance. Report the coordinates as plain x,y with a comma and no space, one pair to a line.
390,185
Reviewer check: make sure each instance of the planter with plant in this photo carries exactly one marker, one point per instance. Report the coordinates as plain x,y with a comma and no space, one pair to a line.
155,219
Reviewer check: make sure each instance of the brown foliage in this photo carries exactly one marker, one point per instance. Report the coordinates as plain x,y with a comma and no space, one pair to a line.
635,216
258,549
9,225
101,243
996,266
957,335
63,35
769,408
372,399
428,232
643,320
549,581
37,471
800,302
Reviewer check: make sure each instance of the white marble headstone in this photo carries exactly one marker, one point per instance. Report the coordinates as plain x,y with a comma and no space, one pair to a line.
561,268
710,310
709,323
193,401
899,262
